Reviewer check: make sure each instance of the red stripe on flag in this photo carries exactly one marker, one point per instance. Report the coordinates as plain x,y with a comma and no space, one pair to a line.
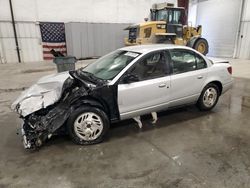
58,47
48,58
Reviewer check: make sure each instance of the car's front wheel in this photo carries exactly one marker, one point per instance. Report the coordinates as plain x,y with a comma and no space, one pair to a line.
209,97
87,125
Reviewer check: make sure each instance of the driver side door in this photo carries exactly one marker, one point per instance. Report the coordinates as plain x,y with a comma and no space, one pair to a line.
151,91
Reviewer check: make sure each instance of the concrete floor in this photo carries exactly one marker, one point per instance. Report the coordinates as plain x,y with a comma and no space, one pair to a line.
186,148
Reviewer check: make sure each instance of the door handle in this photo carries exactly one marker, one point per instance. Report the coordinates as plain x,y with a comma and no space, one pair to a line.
199,77
162,85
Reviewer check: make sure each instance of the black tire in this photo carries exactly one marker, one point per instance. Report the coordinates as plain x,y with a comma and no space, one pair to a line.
201,104
76,114
203,42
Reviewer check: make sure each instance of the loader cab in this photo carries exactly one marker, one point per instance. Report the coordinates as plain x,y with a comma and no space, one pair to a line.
170,15
174,17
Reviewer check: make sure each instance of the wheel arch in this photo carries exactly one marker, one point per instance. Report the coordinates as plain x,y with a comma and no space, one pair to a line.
192,41
85,105
93,102
217,83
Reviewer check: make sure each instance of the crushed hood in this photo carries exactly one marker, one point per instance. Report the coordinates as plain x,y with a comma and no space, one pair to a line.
45,92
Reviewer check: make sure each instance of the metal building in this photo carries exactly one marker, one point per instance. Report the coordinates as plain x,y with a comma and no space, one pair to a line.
94,39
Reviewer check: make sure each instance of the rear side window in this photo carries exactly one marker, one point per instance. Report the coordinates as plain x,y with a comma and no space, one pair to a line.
185,61
201,63
182,61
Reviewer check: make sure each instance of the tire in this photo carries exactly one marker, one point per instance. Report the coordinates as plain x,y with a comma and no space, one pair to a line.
87,125
203,101
201,45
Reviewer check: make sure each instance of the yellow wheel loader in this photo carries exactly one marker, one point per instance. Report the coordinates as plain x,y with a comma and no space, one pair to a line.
167,25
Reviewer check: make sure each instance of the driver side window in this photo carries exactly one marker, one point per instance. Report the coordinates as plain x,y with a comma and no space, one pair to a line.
152,66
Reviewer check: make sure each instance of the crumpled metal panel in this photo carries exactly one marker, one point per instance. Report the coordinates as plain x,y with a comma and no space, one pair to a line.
45,92
46,106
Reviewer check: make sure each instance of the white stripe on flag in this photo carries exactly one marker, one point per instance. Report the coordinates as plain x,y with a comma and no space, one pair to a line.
56,49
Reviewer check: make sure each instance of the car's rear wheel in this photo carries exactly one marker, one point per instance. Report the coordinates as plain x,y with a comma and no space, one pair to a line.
88,125
209,97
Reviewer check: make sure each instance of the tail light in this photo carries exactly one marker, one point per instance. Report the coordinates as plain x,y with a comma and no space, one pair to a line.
229,69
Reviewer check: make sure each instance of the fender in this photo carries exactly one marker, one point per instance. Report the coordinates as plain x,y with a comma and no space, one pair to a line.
42,124
192,41
213,79
104,97
91,102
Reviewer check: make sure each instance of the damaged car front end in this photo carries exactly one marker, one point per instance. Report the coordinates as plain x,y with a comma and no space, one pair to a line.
46,106
82,103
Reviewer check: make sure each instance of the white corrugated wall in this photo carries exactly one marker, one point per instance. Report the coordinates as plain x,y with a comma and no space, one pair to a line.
243,47
91,11
7,43
29,39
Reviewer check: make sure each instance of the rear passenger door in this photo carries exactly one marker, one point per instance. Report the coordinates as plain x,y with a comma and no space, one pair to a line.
187,78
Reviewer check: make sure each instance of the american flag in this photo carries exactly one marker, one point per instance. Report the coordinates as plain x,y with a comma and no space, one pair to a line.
53,37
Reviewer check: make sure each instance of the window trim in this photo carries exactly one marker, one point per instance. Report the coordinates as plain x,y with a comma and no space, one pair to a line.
189,51
199,56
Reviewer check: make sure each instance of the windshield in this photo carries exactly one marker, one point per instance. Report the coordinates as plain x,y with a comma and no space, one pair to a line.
109,66
173,16
162,15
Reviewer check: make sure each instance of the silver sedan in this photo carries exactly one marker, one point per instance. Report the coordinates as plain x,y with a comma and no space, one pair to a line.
128,82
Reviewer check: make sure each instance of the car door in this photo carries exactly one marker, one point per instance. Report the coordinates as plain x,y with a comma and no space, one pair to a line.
189,71
151,91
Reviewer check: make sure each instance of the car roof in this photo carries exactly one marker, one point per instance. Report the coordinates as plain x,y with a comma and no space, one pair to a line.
153,47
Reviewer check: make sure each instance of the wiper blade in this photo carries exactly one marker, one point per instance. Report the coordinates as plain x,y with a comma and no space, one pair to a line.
91,77
88,73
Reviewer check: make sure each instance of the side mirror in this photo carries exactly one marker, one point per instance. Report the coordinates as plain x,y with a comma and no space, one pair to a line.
128,78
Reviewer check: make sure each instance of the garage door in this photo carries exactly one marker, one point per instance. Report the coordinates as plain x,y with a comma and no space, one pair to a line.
244,34
220,21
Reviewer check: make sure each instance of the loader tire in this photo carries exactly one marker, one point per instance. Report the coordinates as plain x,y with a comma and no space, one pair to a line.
201,45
